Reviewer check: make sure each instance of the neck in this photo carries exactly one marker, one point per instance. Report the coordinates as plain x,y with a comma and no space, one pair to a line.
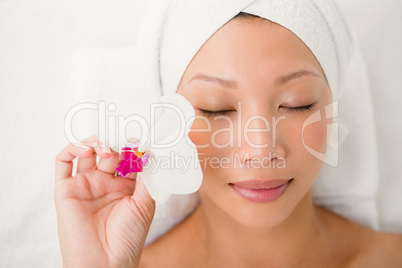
231,244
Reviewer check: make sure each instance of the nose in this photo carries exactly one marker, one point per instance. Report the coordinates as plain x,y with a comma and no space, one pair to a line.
259,139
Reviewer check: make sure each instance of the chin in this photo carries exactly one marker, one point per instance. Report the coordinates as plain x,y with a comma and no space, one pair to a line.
230,207
258,216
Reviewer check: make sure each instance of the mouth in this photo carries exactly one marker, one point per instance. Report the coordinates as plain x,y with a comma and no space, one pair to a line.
259,191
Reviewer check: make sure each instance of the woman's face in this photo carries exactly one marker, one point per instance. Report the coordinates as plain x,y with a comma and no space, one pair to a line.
242,69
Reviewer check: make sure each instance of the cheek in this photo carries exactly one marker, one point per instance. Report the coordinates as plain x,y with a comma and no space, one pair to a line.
211,158
299,159
200,134
311,148
295,138
212,139
315,137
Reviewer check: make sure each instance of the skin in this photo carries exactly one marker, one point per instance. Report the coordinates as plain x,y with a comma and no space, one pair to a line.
227,231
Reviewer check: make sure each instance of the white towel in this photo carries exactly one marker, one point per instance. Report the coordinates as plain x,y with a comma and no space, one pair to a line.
174,30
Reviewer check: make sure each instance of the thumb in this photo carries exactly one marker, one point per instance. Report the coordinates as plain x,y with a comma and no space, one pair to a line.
142,198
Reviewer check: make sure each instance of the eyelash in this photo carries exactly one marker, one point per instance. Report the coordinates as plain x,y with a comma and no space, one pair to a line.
299,109
290,109
216,113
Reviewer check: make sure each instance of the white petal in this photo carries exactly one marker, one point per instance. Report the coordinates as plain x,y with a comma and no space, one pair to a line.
155,191
176,170
180,101
174,165
171,120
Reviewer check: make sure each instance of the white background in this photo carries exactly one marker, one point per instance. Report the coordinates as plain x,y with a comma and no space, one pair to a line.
37,42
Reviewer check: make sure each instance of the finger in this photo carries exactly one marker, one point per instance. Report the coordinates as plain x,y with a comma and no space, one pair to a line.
142,197
108,165
86,164
64,160
97,145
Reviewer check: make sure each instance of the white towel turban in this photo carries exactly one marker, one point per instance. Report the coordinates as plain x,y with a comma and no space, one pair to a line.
172,32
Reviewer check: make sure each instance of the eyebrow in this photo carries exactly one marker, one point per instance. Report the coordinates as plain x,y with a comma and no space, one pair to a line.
301,73
215,80
233,84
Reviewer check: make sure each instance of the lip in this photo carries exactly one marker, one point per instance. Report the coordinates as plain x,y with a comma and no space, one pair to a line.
261,191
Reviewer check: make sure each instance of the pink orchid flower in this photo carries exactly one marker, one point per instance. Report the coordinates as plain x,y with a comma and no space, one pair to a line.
131,160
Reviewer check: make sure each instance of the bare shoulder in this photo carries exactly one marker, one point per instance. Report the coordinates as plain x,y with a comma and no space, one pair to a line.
361,246
158,252
384,251
388,249
170,250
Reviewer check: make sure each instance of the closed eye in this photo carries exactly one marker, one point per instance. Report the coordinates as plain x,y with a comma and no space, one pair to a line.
299,109
215,113
289,109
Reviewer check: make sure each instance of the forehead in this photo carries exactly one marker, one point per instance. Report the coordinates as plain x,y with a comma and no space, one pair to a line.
252,46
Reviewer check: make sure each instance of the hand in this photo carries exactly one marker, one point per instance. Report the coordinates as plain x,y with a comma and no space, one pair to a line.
103,220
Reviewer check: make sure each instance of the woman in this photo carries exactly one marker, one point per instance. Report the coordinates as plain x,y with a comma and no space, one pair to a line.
102,224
